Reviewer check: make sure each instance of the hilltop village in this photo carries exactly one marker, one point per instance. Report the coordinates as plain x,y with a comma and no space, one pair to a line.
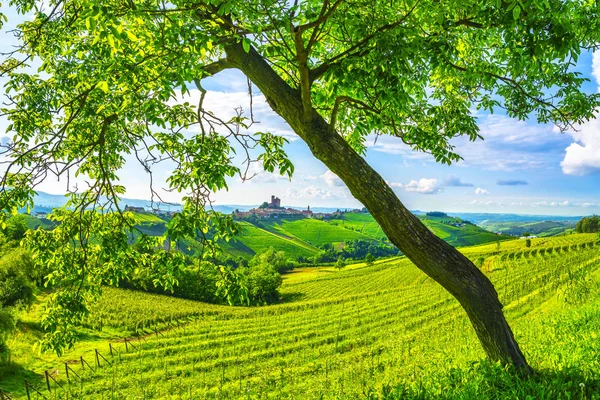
273,209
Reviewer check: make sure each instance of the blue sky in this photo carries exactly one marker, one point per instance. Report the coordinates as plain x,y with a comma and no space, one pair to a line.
520,166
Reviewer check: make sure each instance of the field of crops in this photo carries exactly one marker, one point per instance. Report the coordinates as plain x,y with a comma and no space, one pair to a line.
258,240
361,332
317,232
363,223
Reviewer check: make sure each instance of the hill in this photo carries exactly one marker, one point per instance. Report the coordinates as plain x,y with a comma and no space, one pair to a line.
454,230
381,331
538,228
304,237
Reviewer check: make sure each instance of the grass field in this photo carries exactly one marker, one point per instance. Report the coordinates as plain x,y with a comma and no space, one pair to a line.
317,232
255,240
381,331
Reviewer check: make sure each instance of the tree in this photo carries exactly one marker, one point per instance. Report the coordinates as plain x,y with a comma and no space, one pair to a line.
369,259
340,263
588,225
263,278
334,70
527,242
16,226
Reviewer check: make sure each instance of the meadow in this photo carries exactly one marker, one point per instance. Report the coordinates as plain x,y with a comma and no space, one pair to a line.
379,331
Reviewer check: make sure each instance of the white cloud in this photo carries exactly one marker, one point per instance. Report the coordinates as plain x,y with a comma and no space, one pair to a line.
480,191
425,186
395,184
487,203
332,179
544,203
223,106
583,155
596,66
310,192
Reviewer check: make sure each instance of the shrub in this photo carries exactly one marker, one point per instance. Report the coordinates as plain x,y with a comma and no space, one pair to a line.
7,326
527,242
16,226
263,281
16,287
340,263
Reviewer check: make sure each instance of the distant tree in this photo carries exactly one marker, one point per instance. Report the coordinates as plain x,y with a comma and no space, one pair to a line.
437,214
479,262
527,234
588,225
16,287
527,242
369,259
16,226
272,257
340,263
264,205
262,276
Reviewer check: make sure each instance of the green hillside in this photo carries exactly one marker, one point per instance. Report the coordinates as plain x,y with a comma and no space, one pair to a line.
465,235
538,228
34,222
302,237
384,331
316,232
254,240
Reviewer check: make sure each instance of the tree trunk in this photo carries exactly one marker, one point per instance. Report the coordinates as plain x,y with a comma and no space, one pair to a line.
435,257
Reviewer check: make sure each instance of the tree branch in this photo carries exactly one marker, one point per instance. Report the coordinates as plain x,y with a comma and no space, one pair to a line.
316,73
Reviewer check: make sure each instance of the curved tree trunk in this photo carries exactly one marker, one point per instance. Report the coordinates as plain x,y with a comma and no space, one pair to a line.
435,257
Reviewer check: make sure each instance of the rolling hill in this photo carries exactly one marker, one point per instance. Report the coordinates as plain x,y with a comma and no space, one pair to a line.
380,331
304,237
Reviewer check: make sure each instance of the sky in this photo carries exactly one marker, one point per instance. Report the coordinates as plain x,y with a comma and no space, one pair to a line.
520,167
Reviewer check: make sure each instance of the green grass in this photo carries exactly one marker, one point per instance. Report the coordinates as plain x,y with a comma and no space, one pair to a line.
34,223
359,222
147,219
381,331
317,232
257,240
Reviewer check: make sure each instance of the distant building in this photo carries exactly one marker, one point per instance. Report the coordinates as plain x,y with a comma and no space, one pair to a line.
40,214
275,202
135,209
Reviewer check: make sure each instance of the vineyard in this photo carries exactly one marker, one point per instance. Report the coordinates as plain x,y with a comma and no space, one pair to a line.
378,331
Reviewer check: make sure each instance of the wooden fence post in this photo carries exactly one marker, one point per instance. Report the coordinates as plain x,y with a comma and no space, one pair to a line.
97,359
47,380
126,347
27,390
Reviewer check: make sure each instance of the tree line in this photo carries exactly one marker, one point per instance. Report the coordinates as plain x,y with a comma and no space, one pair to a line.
588,225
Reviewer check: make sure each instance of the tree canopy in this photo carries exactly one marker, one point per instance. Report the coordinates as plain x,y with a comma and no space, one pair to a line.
107,75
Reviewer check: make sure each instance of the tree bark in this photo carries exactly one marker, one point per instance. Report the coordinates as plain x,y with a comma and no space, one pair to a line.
435,257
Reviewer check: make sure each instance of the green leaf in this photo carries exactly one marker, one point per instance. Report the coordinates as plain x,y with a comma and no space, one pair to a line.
246,44
516,12
102,85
